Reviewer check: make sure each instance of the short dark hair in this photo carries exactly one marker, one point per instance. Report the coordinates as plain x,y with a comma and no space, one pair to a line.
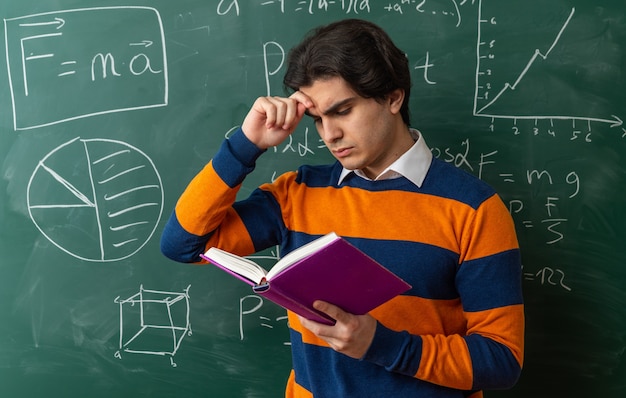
356,50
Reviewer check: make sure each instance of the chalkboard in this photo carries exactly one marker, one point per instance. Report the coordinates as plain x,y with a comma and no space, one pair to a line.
107,111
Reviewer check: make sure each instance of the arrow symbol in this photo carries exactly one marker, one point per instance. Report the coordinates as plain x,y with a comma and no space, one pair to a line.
59,21
618,122
145,43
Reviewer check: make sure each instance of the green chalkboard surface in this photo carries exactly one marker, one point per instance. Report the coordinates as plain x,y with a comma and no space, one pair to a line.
108,109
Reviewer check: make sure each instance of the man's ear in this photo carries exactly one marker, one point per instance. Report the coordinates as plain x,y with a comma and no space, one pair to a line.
396,98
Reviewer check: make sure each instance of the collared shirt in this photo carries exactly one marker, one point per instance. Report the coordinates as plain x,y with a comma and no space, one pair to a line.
413,164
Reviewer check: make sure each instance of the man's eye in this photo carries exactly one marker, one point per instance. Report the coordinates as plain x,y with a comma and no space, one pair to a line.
344,112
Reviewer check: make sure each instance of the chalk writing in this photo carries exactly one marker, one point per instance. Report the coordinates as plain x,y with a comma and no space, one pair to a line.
96,199
460,159
313,6
250,305
425,66
227,6
275,70
422,6
43,61
153,322
301,147
551,222
579,130
450,9
548,276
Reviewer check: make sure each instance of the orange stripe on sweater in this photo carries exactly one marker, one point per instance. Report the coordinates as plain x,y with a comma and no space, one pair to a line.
446,361
498,236
205,186
500,325
294,390
313,209
196,208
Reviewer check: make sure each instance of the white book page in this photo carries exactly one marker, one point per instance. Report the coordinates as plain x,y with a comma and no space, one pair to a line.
240,265
300,253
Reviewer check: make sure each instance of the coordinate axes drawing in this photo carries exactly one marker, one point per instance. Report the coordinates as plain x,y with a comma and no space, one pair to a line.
502,90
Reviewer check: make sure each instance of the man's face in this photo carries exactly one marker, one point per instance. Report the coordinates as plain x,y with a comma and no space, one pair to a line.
361,133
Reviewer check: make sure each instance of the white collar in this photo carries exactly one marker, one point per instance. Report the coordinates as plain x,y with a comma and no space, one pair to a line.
413,164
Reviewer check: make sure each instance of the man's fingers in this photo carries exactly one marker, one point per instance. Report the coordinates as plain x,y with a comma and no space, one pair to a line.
302,98
282,112
330,310
272,119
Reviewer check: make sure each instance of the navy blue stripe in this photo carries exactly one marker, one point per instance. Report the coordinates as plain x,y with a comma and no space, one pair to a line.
356,376
407,362
179,245
321,176
236,158
484,281
443,180
494,358
262,217
447,181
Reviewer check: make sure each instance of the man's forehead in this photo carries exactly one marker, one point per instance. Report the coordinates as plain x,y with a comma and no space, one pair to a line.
329,94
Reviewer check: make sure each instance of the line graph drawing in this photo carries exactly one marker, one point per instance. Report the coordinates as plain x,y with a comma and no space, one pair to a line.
96,199
153,322
551,82
508,86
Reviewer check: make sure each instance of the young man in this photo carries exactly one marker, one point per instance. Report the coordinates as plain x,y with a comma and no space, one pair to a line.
460,329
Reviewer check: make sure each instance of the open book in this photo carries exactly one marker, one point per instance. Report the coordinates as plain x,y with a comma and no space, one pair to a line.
328,268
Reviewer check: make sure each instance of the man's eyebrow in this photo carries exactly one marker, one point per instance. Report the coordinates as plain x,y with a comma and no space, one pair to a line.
333,108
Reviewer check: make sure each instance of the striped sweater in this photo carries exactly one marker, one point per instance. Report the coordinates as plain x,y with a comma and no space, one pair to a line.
458,331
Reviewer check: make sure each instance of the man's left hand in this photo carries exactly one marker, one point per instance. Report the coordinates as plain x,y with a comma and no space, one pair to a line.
351,335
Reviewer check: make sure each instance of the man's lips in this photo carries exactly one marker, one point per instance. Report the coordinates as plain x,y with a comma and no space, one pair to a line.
342,152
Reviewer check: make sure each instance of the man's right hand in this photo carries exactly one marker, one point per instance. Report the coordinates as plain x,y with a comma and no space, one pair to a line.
272,119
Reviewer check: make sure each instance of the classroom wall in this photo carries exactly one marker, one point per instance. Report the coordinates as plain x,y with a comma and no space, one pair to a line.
107,110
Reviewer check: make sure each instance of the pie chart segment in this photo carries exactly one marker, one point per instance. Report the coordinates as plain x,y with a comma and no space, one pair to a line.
62,183
98,200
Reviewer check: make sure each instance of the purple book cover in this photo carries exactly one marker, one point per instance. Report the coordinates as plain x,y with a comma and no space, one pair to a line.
339,273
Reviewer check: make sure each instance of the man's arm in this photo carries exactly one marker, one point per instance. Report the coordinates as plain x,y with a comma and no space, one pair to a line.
204,215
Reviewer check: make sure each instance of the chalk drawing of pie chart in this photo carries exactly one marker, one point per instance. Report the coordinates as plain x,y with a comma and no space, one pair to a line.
96,199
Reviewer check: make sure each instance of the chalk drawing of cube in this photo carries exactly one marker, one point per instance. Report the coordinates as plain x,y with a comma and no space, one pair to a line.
154,322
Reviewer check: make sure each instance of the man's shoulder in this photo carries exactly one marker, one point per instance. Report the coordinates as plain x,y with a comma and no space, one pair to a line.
446,180
319,175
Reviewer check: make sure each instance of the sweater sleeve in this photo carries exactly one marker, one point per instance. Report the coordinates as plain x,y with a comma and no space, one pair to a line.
204,215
